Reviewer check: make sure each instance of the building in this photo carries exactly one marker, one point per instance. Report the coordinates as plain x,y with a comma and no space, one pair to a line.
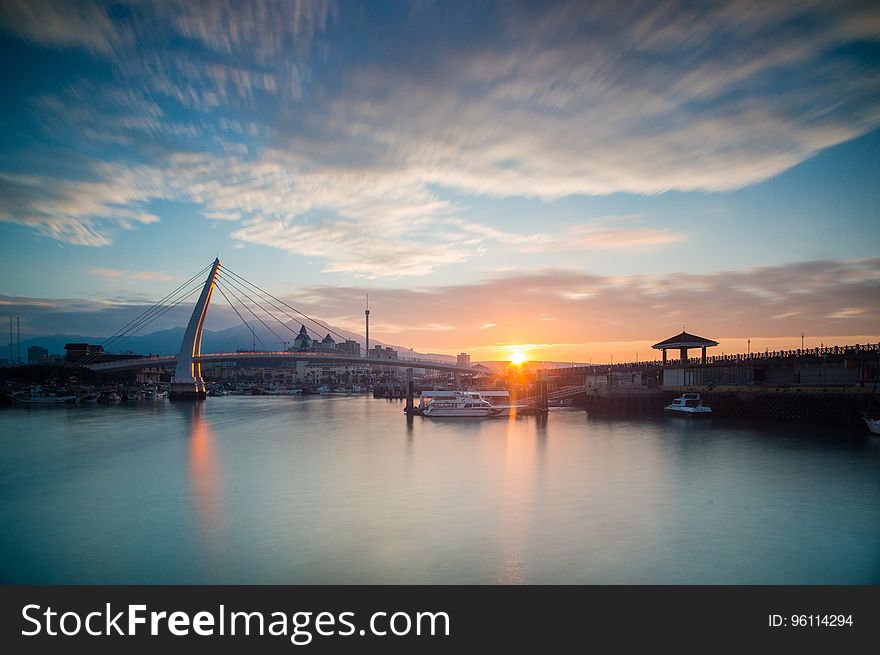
327,344
349,348
76,352
302,342
37,355
463,360
386,353
380,352
683,342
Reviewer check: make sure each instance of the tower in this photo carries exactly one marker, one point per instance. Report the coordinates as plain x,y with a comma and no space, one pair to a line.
367,317
187,382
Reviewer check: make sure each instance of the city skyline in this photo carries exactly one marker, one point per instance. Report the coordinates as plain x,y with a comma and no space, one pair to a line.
576,181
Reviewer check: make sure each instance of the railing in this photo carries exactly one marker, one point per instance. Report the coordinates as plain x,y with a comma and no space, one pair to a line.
826,351
256,354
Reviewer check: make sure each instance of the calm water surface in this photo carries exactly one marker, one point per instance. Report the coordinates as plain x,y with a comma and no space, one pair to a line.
343,490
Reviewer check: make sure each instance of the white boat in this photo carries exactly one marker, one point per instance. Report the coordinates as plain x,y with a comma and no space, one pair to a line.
873,423
456,404
500,400
688,404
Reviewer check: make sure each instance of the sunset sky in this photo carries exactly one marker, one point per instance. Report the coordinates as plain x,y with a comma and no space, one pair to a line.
583,179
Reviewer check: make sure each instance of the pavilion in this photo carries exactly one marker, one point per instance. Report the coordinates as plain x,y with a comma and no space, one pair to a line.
683,342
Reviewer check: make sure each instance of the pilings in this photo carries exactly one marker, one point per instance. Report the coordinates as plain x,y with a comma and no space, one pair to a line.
543,394
409,390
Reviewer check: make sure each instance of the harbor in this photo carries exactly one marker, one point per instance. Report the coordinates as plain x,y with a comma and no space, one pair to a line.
836,385
323,488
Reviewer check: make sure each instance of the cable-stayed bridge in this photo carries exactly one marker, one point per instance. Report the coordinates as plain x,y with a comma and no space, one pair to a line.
245,298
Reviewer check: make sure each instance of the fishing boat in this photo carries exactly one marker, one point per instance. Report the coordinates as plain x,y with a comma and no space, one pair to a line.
873,423
688,404
457,404
110,398
37,395
88,397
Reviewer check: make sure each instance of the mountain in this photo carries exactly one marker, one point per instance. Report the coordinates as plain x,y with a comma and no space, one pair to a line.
239,337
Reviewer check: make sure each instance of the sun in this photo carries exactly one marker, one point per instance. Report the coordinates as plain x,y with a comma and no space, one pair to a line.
517,357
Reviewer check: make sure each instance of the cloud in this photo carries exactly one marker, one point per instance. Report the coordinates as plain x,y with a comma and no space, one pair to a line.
57,23
549,308
81,212
265,115
565,307
118,273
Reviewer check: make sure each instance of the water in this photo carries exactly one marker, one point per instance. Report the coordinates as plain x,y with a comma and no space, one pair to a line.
342,490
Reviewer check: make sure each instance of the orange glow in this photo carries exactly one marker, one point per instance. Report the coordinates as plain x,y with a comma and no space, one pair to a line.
518,357
203,475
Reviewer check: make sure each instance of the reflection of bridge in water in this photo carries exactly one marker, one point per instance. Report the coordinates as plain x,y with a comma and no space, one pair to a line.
187,381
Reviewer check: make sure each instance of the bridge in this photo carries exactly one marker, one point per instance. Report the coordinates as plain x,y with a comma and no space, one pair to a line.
187,381
250,356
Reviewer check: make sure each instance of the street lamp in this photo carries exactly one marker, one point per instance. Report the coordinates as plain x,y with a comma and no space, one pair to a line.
749,351
802,340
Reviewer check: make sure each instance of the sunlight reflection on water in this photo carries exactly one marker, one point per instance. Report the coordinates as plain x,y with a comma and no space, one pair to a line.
346,489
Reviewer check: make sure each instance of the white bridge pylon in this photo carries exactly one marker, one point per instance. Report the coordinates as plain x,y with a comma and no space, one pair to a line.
187,381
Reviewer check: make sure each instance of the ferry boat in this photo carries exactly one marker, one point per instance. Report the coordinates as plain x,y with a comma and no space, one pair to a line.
500,400
688,404
457,404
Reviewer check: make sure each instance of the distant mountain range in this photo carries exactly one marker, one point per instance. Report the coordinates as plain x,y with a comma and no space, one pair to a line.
240,337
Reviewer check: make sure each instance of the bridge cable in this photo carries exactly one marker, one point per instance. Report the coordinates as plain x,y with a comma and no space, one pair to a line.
238,313
122,337
261,290
231,281
157,311
278,300
156,305
252,313
138,322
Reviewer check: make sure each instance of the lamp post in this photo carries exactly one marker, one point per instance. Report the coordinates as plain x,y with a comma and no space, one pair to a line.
749,348
802,340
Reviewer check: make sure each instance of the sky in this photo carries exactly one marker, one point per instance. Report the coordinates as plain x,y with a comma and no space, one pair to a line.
579,179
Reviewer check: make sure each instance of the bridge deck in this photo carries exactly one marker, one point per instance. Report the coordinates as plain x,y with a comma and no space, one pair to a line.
319,358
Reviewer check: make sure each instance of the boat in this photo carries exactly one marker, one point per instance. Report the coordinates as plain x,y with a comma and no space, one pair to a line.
688,404
37,395
873,423
457,404
500,400
110,398
88,397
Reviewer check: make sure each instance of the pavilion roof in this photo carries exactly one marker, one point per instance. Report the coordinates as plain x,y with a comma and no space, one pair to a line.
684,340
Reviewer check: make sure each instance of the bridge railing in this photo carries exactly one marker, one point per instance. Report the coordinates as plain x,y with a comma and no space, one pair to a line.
336,355
735,358
257,354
